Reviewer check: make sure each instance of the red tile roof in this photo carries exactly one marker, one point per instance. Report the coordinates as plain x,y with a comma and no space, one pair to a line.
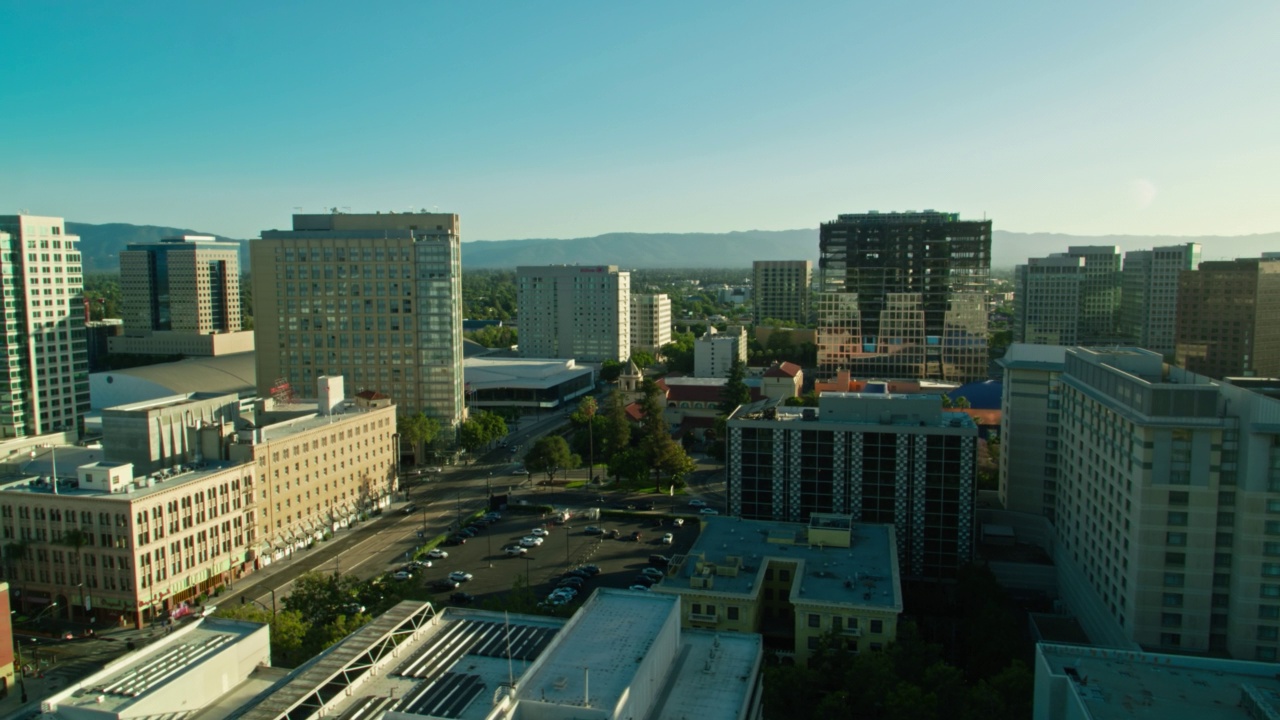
786,369
371,395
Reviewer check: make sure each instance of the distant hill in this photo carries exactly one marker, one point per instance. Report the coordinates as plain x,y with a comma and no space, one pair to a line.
102,244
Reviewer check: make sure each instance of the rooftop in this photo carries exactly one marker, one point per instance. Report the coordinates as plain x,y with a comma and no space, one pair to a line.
863,574
491,372
1118,684
297,417
36,476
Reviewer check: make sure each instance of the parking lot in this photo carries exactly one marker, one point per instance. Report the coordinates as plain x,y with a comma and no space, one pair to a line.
565,546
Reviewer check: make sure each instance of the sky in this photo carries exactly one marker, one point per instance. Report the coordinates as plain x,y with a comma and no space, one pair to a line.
570,119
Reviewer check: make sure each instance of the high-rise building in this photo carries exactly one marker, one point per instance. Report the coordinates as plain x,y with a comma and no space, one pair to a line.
1167,499
45,386
781,290
375,298
891,459
919,281
650,322
1149,294
1031,405
572,311
1227,318
714,352
1099,293
1047,300
181,296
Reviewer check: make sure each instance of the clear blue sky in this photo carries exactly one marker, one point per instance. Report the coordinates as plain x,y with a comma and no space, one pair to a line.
558,119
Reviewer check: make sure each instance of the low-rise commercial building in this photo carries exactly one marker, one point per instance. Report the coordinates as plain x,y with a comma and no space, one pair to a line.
792,582
494,382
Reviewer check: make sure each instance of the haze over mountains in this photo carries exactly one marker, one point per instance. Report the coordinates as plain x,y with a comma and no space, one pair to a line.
102,244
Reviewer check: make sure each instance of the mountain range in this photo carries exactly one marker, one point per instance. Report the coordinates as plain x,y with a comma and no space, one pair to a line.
101,245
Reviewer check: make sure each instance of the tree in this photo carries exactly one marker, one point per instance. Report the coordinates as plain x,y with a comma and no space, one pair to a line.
631,464
617,431
75,538
678,353
495,427
587,414
550,455
418,430
652,401
735,391
671,458
320,597
610,371
642,359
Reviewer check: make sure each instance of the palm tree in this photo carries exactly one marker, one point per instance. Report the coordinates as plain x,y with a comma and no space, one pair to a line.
587,411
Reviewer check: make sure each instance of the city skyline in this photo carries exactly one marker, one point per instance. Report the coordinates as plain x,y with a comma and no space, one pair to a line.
574,120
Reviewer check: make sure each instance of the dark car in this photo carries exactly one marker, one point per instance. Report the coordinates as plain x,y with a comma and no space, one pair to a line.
647,506
614,533
469,532
636,536
591,570
644,580
444,584
456,540
578,573
462,598
659,560
409,509
573,582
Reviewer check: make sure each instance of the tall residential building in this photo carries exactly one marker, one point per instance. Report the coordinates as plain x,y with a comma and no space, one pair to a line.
1149,294
781,290
375,298
650,322
46,384
1047,300
889,459
714,352
572,311
1168,501
1099,293
1227,318
918,282
1031,413
181,296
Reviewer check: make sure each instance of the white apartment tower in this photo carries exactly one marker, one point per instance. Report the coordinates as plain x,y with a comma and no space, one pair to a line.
46,384
1047,300
574,311
650,322
714,352
1149,294
374,298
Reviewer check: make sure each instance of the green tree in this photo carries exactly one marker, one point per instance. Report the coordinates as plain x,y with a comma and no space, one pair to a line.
586,414
550,455
610,371
617,428
494,336
735,391
671,459
419,431
678,353
320,596
631,464
643,360
495,427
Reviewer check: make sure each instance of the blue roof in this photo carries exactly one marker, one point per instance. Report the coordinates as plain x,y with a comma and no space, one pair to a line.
983,395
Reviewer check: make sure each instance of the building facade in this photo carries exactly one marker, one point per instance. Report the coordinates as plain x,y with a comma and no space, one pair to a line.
1047,300
781,290
1168,502
886,459
1099,293
46,386
188,284
918,283
715,352
1149,294
1031,427
375,298
1227,318
650,323
791,582
577,312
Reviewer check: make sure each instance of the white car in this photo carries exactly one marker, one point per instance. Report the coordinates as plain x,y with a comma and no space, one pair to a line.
437,554
530,541
541,532
709,511
678,522
459,576
565,592
668,539
696,503
516,551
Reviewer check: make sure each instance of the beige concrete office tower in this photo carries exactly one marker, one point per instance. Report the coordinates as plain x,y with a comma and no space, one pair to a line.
714,352
376,298
45,385
1168,503
1031,413
780,289
1048,300
571,311
1149,294
650,323
1227,318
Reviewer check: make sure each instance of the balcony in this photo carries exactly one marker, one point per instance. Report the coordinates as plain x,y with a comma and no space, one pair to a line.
709,619
850,632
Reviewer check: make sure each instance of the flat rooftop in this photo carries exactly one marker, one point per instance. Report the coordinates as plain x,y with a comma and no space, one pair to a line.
865,574
33,477
1119,684
298,417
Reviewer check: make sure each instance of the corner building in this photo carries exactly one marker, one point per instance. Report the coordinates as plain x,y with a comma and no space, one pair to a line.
889,459
375,298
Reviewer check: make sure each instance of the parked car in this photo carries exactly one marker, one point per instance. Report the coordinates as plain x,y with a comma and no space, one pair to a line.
456,540
530,541
417,564
653,573
469,532
493,516
515,550
578,573
401,575
591,570
592,530
696,503
709,511
444,584
409,509
614,533
460,576
638,586
636,536
573,582
353,608
668,538
644,580
437,553
659,561
540,532
678,522
462,598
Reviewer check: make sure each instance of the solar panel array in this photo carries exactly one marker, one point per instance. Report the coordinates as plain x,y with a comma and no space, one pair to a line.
154,671
469,637
368,706
447,697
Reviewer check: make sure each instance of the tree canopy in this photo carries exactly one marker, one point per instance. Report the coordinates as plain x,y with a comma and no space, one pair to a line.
550,455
